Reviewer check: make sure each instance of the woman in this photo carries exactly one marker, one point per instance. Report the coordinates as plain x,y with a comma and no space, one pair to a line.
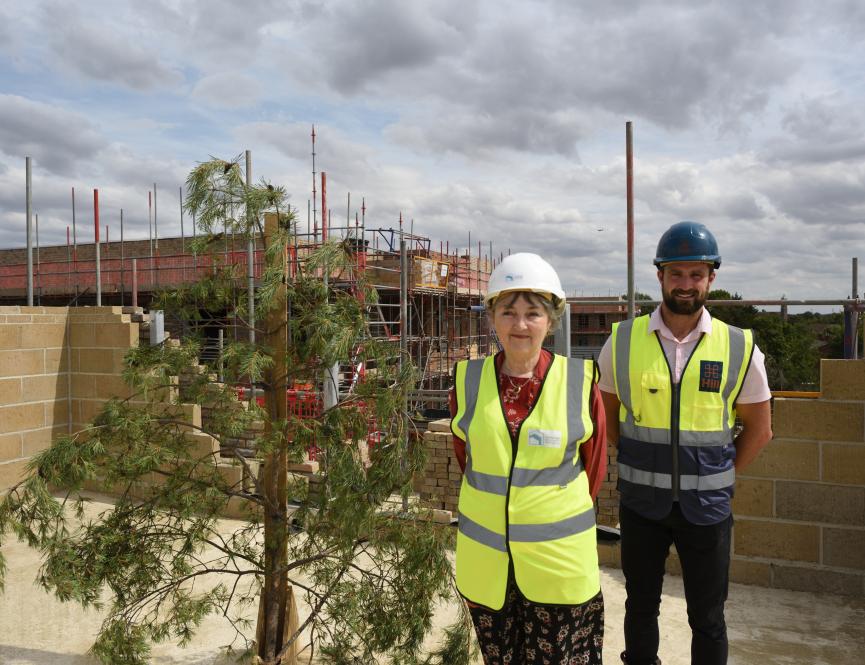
526,548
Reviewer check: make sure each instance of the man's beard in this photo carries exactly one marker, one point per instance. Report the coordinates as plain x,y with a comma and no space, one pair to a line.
684,307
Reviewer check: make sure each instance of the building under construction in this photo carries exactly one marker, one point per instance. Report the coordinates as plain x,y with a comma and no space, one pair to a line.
429,299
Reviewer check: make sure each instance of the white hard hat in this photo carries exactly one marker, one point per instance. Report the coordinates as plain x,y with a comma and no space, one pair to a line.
525,272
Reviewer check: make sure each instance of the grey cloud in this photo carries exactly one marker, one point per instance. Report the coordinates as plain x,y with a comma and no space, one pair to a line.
673,64
822,196
373,39
55,138
231,31
682,191
104,50
228,90
520,129
820,130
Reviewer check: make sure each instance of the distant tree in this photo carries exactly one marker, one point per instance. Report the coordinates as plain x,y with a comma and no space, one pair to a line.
639,295
741,316
372,574
832,337
792,360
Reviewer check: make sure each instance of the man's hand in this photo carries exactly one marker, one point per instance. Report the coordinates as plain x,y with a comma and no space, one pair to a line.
756,432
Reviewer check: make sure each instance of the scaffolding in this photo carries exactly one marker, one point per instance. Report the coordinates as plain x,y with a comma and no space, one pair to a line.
429,301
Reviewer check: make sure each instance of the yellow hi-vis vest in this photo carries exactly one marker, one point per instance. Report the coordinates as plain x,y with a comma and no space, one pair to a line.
525,500
676,440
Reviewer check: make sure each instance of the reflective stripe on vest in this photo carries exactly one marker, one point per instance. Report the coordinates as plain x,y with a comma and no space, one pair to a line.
709,385
540,500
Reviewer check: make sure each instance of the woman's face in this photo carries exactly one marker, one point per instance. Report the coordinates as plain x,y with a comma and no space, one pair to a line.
521,324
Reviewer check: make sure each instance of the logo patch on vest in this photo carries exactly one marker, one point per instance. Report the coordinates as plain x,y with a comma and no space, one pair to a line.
710,375
546,438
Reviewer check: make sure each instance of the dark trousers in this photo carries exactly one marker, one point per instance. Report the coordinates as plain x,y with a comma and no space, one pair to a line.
704,552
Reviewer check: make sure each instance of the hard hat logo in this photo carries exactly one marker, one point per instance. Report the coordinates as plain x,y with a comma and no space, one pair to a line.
687,241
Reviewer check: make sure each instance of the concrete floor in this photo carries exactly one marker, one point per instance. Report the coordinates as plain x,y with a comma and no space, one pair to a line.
766,626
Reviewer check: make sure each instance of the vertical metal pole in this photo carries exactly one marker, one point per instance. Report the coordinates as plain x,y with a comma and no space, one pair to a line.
96,247
323,207
182,233
29,209
155,237
629,158
150,232
155,223
855,295
150,222
74,234
403,343
74,245
250,254
68,261
562,334
122,273
314,220
135,282
38,288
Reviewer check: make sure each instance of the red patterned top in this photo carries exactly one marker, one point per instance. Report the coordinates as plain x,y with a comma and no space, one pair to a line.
519,395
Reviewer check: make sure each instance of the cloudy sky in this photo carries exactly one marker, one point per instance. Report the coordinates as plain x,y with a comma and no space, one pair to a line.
502,119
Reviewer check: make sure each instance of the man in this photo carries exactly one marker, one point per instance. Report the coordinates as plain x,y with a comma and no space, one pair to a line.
673,384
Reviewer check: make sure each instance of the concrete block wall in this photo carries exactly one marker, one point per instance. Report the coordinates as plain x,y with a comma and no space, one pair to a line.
58,367
607,503
34,384
800,507
439,485
100,337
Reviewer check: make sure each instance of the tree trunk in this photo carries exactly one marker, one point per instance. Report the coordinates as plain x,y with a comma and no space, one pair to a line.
277,610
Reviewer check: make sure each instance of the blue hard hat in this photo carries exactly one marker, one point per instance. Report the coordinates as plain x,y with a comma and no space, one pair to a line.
687,241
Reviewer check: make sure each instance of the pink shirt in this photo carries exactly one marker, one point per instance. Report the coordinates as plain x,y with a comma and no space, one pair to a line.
755,387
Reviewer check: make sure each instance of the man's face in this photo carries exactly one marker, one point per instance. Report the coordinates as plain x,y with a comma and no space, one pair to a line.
685,286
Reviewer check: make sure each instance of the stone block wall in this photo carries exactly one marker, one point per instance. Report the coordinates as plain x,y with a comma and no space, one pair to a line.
439,485
800,507
99,338
34,385
58,366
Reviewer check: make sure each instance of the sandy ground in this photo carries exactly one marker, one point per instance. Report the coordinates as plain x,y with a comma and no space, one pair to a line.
766,626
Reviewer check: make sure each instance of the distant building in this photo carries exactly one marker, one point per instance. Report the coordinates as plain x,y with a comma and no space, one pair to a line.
592,320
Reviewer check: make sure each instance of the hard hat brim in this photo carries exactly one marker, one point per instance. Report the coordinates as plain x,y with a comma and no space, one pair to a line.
558,302
714,261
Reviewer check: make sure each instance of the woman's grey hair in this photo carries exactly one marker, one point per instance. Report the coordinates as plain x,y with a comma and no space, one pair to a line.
550,307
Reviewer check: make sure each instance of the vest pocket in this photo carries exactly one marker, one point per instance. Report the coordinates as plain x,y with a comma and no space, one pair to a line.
714,460
654,406
707,418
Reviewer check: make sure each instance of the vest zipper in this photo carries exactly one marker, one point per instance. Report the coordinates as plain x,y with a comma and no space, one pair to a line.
675,403
515,445
675,406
